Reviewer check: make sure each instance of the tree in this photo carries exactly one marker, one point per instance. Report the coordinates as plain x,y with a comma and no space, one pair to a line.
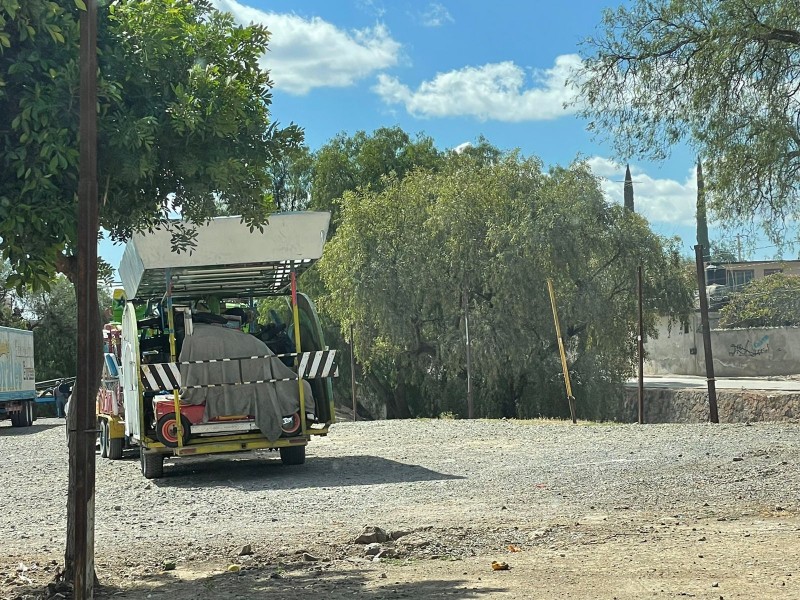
183,121
628,190
290,176
702,219
771,301
55,327
363,160
721,76
405,256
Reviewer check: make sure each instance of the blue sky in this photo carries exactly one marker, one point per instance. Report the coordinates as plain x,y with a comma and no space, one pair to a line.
455,70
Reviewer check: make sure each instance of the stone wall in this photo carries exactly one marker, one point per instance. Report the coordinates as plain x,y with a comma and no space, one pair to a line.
691,406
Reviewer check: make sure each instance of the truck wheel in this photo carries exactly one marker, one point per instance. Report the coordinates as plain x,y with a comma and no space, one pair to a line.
31,412
152,464
115,446
293,455
18,418
167,430
103,438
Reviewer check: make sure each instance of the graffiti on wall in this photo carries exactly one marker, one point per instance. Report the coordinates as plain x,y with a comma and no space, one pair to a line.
750,349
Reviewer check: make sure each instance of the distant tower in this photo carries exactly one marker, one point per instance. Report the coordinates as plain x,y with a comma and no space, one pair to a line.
628,189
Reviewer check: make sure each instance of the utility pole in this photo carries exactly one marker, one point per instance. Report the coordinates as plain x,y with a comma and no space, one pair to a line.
470,399
701,285
82,457
641,348
353,369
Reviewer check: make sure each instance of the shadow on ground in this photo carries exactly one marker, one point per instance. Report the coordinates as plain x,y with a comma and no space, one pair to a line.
265,473
333,584
33,429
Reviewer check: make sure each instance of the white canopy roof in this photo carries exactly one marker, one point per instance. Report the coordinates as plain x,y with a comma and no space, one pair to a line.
228,259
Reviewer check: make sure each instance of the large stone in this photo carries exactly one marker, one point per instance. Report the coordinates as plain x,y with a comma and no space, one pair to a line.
372,535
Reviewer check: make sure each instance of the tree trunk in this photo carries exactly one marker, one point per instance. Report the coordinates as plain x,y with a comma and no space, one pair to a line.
397,403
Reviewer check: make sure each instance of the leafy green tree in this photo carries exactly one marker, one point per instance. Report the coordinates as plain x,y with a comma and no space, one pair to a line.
363,160
183,121
290,175
10,310
719,75
54,316
405,257
772,301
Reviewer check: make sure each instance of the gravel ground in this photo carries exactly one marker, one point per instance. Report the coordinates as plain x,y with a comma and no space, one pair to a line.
467,492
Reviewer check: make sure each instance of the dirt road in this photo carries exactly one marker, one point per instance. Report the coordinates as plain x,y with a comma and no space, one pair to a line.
587,511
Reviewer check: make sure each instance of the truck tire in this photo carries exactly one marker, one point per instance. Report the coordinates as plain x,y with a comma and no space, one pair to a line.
152,464
115,446
293,455
31,412
103,438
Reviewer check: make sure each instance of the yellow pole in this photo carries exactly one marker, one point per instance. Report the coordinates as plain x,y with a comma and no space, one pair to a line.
176,396
298,349
567,384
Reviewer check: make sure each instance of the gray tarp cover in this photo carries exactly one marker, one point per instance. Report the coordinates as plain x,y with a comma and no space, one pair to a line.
267,402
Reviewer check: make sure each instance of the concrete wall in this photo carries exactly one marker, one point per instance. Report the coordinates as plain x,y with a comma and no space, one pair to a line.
737,352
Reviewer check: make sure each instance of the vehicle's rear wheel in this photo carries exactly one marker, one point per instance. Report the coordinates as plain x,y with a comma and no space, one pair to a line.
152,464
31,412
103,438
293,455
167,430
115,445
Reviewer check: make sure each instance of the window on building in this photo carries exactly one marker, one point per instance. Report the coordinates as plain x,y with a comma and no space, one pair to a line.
768,272
740,278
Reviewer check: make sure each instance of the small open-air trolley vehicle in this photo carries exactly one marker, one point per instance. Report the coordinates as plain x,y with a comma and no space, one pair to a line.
191,366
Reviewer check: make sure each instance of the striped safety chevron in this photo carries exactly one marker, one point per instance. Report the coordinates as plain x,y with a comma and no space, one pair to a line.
161,376
167,377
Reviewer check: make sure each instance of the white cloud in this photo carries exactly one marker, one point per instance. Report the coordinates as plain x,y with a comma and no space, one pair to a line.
306,53
660,200
436,15
495,91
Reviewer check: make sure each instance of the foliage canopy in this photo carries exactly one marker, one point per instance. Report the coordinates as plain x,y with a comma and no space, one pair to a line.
772,301
722,75
406,257
183,122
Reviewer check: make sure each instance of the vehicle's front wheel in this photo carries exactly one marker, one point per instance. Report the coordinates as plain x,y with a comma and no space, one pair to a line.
293,455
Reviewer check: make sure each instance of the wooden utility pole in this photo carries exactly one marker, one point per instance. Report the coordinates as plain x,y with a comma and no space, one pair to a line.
470,398
84,421
353,370
563,353
641,348
701,285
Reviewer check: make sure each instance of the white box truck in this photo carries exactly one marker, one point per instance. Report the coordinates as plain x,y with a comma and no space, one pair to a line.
17,377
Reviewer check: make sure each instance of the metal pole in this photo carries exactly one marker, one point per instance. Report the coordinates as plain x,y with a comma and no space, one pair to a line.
470,397
641,348
83,459
353,369
701,284
562,352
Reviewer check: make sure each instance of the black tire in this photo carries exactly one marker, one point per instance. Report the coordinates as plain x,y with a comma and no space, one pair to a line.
165,433
115,446
32,406
152,464
18,419
293,455
103,438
